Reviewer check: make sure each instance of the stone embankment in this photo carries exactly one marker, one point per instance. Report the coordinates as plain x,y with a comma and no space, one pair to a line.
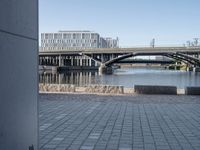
105,89
111,89
108,89
57,88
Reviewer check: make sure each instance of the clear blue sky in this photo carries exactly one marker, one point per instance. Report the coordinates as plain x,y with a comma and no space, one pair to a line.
135,22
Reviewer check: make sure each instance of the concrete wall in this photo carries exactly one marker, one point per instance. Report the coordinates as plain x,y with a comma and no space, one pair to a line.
192,90
153,89
18,74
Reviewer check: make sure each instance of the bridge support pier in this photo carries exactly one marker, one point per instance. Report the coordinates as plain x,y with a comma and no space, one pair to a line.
189,69
196,69
105,69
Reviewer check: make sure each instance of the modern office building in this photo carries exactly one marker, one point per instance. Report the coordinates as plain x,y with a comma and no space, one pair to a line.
68,40
112,43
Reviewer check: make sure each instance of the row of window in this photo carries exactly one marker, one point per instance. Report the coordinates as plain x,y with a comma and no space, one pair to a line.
64,48
69,41
69,36
69,45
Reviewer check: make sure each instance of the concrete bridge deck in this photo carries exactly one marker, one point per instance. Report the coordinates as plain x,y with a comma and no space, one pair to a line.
122,50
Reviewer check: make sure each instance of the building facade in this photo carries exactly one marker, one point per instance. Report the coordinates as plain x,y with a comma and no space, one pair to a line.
112,43
68,40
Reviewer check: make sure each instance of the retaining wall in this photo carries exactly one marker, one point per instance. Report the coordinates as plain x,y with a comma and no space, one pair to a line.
138,89
57,88
104,89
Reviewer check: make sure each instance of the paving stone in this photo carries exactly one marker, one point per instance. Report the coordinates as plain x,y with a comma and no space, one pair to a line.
87,148
125,148
74,121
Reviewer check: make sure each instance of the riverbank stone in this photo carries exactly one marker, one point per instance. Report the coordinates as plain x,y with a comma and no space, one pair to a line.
57,88
104,89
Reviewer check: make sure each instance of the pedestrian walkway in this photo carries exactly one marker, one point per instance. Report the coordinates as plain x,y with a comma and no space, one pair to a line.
149,122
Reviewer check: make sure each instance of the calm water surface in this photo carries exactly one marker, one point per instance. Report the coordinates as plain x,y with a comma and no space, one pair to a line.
127,77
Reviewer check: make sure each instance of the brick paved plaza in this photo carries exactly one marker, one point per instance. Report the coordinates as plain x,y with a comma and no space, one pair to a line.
87,122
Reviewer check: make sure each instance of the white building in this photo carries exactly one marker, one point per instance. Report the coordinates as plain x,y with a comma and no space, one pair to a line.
112,43
65,40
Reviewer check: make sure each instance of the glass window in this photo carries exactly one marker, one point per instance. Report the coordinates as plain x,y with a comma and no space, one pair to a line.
83,35
46,36
74,35
55,36
64,35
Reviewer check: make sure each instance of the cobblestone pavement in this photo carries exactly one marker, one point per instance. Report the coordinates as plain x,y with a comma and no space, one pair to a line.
150,122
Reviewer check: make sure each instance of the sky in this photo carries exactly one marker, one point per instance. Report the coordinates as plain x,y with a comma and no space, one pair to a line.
134,22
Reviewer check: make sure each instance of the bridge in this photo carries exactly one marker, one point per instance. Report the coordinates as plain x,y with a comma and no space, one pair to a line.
104,58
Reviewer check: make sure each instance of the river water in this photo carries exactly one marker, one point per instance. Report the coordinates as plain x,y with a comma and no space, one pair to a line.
127,77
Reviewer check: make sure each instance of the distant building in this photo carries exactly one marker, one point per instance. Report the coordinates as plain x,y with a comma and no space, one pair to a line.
112,43
65,40
102,43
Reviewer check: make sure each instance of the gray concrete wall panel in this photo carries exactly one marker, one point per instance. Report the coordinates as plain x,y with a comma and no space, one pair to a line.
19,17
154,89
192,90
18,74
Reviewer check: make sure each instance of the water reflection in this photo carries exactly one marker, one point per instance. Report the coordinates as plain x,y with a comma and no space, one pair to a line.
127,77
72,77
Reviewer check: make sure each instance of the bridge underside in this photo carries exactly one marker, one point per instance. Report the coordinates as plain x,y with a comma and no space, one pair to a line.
135,61
107,59
175,56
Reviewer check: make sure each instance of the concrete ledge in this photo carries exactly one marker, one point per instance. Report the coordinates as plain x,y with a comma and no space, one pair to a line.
128,90
154,89
192,90
57,88
104,89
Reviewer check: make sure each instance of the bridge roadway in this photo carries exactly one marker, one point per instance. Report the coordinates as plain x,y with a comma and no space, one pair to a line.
189,50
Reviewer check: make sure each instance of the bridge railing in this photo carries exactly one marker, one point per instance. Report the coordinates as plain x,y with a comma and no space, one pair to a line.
126,48
149,46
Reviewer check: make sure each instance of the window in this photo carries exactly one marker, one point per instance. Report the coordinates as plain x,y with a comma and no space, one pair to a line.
74,35
46,36
55,36
42,36
64,36
83,35
92,36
